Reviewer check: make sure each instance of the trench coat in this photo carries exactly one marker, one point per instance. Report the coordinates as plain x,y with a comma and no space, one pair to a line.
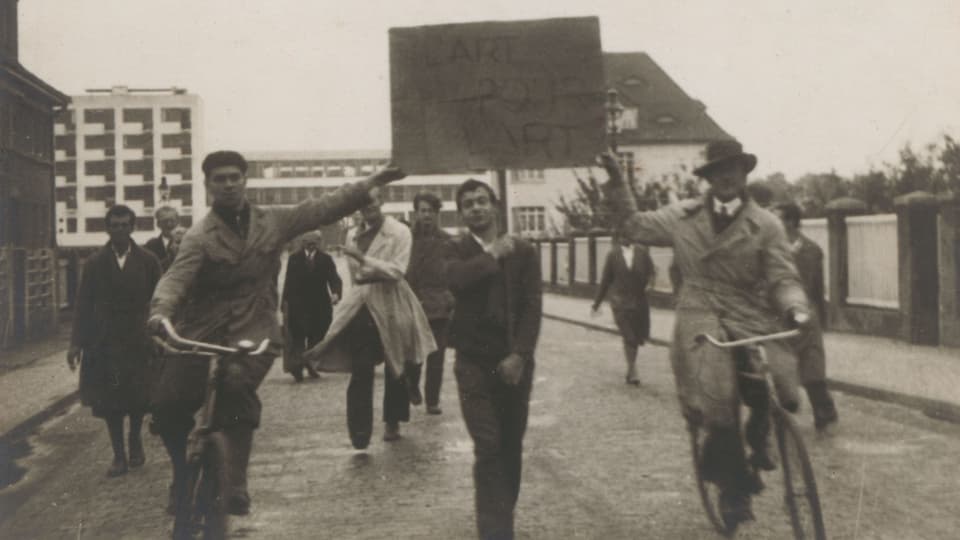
737,283
401,322
109,325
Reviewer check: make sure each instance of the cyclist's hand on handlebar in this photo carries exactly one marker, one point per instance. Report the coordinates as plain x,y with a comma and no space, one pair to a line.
798,318
155,325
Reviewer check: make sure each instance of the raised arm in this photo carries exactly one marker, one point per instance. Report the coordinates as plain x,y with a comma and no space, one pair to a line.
651,228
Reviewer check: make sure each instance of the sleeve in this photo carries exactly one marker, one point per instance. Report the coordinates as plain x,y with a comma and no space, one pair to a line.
175,283
83,319
462,273
605,280
314,213
651,228
786,290
530,307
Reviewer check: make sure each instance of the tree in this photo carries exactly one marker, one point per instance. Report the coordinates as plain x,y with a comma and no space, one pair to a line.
817,190
587,210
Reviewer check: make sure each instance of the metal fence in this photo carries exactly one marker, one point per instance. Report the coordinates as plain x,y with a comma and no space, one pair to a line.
872,261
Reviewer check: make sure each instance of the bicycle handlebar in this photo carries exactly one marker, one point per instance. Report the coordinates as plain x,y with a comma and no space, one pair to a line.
747,341
189,346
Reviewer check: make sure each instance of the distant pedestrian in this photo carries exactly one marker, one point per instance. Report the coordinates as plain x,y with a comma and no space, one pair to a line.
311,287
379,320
496,322
428,280
109,338
811,354
167,219
628,274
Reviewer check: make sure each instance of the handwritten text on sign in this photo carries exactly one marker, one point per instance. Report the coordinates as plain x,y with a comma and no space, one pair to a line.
527,94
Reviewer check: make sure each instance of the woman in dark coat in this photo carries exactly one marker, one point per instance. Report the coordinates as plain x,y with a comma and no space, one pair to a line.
109,335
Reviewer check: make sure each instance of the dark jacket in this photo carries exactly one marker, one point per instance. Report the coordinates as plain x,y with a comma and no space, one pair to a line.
156,246
627,286
305,290
109,325
808,257
426,275
472,273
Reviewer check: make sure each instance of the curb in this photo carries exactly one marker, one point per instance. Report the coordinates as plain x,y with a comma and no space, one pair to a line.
934,408
46,413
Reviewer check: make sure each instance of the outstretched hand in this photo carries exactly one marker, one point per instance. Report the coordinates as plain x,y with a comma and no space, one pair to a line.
387,175
610,163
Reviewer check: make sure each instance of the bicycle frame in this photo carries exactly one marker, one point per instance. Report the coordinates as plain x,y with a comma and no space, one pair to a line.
757,354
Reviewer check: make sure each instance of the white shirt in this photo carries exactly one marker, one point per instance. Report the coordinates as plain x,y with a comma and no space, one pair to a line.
728,208
310,254
121,259
484,245
628,255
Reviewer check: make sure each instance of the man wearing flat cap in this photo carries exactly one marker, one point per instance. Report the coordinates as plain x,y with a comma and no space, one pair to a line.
222,288
739,280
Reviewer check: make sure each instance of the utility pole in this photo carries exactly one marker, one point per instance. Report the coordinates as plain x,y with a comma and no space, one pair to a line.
504,207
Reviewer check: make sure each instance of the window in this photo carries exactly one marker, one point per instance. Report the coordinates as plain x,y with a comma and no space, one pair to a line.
530,220
628,120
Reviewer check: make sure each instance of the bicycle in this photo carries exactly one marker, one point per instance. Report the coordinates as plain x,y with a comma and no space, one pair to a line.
202,507
800,489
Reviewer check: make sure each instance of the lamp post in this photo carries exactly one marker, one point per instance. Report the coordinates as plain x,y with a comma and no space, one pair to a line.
164,190
614,112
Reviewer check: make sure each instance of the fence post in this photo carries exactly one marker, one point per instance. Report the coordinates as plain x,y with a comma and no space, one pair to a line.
571,260
592,254
837,212
949,265
553,262
919,277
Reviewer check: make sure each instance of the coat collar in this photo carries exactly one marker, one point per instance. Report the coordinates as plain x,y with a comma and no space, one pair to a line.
744,225
212,222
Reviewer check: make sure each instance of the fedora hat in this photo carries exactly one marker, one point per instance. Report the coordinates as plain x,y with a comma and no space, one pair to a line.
723,152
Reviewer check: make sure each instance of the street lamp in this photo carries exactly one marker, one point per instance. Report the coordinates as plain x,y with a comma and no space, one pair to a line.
164,190
614,112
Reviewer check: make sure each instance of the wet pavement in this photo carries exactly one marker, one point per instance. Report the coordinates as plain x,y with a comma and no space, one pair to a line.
602,460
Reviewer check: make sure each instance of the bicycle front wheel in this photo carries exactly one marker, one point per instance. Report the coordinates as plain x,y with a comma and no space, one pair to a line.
800,488
213,487
709,493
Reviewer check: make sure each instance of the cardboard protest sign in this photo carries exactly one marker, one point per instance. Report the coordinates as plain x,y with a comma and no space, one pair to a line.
491,95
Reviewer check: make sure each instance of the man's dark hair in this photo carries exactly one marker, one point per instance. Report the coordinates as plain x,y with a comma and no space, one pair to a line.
427,197
119,211
223,158
472,185
791,213
760,193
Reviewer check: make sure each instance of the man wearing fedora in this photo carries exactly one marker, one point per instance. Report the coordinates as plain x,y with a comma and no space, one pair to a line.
739,280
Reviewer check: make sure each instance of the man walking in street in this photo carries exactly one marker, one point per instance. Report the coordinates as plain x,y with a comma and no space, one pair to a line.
221,288
738,281
162,246
811,354
109,341
628,273
428,280
496,322
379,320
311,287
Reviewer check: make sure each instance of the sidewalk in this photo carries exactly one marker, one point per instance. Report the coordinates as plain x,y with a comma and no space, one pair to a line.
919,377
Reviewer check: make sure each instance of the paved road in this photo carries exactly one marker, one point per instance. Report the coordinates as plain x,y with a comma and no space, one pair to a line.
603,460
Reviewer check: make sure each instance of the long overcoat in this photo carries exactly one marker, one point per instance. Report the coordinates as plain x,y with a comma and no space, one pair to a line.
401,322
306,292
109,325
737,283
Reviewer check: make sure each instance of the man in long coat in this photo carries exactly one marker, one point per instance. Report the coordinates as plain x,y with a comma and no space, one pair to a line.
311,286
379,320
109,335
222,288
738,281
811,354
627,274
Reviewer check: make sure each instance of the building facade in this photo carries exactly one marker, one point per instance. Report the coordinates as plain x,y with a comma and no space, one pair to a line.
138,147
27,259
286,178
661,135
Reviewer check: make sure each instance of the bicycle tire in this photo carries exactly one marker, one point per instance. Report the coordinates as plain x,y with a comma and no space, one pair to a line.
185,517
214,484
800,487
709,493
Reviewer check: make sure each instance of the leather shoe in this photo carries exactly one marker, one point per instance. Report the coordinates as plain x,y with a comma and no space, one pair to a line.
391,431
760,460
734,509
238,504
434,409
360,440
297,375
312,373
117,468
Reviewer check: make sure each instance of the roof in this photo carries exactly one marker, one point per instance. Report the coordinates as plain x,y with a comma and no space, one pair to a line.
15,73
665,113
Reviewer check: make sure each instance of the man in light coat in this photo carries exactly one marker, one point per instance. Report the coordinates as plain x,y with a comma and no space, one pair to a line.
222,288
738,281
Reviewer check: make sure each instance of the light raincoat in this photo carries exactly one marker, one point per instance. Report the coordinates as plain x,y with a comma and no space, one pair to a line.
401,322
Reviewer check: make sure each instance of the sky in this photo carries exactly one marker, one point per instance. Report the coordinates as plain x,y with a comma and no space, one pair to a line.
808,86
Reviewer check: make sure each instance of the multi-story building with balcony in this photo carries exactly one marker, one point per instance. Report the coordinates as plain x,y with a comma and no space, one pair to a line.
138,147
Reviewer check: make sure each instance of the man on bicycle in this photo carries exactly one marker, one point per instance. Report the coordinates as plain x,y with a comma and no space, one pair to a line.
738,280
222,288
